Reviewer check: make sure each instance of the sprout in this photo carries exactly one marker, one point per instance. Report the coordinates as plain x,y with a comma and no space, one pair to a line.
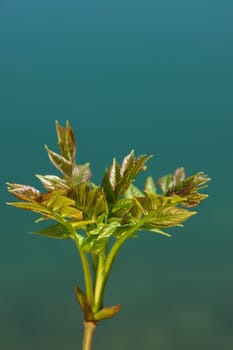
100,218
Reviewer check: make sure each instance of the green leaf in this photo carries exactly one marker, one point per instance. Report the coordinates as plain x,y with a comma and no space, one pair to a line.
70,212
81,173
107,188
133,191
54,205
131,172
153,201
24,192
95,202
96,239
145,204
127,163
61,163
150,185
99,207
55,231
108,230
114,174
165,182
62,206
57,200
35,207
135,214
92,245
52,182
153,228
81,224
89,199
124,229
121,207
66,141
167,217
117,179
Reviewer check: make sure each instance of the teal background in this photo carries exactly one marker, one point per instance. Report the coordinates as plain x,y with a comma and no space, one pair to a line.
155,76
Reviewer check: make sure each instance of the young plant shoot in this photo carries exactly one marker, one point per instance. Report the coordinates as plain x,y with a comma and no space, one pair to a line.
100,218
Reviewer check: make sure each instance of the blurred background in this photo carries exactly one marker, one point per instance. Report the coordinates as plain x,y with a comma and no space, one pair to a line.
154,76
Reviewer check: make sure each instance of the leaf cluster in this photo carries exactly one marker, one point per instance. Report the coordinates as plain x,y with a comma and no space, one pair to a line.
113,209
100,218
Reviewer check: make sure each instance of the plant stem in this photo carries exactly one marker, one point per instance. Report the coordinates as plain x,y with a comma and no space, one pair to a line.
87,275
89,329
99,283
114,250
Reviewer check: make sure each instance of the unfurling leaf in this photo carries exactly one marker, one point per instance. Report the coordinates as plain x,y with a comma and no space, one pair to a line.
84,304
66,141
92,245
81,297
114,174
130,173
105,230
133,191
89,199
150,185
24,192
187,188
165,182
122,206
169,181
107,312
127,163
184,187
55,231
81,173
107,188
179,176
61,163
52,182
117,179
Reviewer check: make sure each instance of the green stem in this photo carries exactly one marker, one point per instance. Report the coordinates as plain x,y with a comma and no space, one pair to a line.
89,329
99,283
115,249
87,274
104,268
